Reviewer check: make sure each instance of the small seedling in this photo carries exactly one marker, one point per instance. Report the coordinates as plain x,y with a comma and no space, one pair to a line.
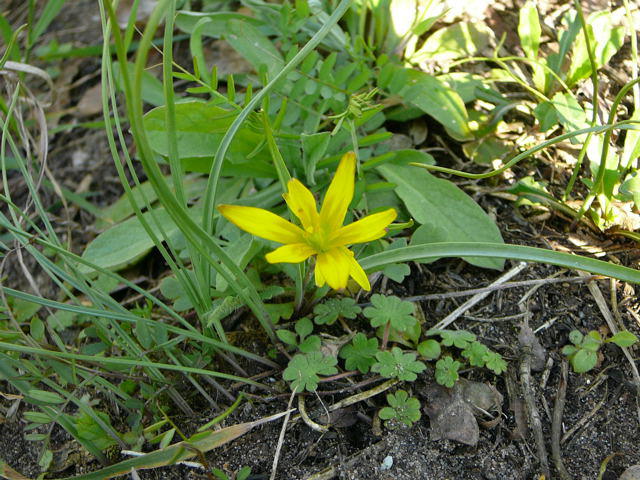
360,353
304,369
301,338
397,364
583,354
402,408
447,371
390,310
329,311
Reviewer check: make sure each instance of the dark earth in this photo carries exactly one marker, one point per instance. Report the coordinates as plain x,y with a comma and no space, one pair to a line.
603,404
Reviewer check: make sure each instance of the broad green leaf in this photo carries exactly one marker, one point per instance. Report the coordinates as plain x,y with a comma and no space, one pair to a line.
200,127
446,213
442,103
529,29
463,39
121,208
125,243
217,25
606,40
428,94
623,339
583,360
254,46
152,91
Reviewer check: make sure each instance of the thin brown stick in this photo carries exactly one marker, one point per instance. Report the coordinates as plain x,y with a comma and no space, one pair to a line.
503,286
478,297
556,426
532,410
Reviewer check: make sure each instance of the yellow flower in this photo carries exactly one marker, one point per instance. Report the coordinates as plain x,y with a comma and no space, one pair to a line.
322,234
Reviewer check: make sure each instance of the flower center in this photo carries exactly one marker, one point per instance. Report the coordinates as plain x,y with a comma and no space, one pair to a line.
318,238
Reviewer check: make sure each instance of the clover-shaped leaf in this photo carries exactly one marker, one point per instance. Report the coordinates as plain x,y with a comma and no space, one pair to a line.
390,309
401,407
447,371
494,362
397,364
360,353
475,353
329,311
304,369
300,338
457,338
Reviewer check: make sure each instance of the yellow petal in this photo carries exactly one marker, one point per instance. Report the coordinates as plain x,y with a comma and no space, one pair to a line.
334,267
262,223
366,229
339,194
320,281
302,203
358,274
292,253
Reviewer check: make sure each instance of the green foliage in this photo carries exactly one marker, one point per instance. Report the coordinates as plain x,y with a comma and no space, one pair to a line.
447,371
360,353
301,338
583,354
397,364
304,369
329,311
430,349
390,310
402,408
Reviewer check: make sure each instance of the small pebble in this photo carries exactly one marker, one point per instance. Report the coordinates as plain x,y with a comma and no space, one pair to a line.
387,463
631,473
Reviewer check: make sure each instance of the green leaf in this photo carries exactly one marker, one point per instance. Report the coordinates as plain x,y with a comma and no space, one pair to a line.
304,327
576,337
397,364
546,115
458,338
403,408
447,371
623,339
583,360
430,349
43,396
329,311
199,129
304,369
152,90
360,353
397,271
606,40
475,353
513,252
314,146
287,336
125,243
310,344
445,212
494,362
460,40
440,102
216,26
390,309
254,46
529,29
